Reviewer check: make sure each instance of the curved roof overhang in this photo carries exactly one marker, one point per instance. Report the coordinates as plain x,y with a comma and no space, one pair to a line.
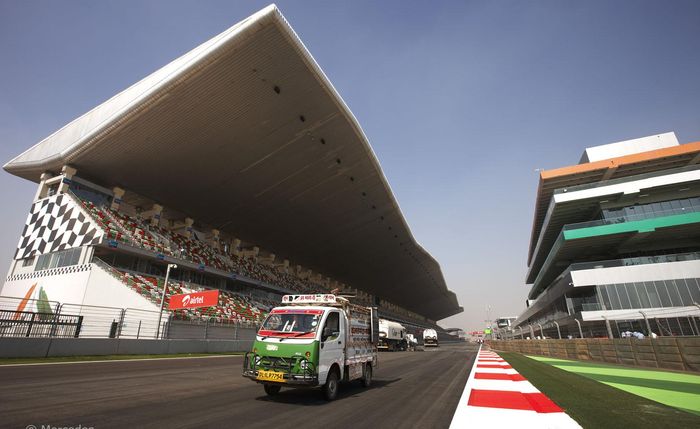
246,133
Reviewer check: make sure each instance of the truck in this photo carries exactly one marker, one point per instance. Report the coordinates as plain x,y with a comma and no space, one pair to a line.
430,338
392,335
411,341
314,340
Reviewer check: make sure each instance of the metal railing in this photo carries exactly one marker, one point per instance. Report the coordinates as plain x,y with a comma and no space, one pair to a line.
40,318
31,324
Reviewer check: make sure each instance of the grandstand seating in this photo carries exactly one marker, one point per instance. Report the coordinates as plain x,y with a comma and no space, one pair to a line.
232,307
122,227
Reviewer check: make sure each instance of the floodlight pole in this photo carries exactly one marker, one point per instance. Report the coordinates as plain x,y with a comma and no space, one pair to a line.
646,321
580,331
607,325
162,297
558,331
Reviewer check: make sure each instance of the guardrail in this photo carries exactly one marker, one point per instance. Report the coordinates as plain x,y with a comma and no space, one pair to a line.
31,324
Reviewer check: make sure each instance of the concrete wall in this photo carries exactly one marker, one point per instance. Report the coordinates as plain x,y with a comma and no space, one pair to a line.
209,331
678,353
46,347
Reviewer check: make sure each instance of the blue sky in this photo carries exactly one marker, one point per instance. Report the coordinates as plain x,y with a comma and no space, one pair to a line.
461,101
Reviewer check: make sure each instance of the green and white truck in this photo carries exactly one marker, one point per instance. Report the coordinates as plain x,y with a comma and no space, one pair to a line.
314,340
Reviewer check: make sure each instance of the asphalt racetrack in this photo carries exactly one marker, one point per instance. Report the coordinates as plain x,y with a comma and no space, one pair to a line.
410,390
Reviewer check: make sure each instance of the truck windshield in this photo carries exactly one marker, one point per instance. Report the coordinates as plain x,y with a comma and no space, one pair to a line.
289,322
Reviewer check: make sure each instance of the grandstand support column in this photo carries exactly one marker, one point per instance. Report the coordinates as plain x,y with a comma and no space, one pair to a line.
214,239
235,246
118,195
155,217
43,190
188,227
67,172
253,252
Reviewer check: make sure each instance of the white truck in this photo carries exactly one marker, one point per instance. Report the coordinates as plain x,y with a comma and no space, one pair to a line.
392,335
314,340
411,341
430,338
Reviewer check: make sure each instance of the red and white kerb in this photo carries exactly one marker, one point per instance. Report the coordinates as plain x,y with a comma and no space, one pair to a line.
497,396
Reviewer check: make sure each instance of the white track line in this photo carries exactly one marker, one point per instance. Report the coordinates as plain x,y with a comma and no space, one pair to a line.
114,360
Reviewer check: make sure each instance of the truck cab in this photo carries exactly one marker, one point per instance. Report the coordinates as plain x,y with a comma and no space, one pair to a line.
430,338
308,343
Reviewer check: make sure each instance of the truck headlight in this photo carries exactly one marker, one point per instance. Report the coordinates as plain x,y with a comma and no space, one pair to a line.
304,364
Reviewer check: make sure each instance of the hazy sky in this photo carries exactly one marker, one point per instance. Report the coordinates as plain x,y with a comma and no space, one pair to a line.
461,101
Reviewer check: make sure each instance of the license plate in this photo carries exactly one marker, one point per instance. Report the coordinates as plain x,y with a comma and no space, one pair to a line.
271,376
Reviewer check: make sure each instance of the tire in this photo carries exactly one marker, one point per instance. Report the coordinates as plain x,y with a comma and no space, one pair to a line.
367,376
272,389
330,389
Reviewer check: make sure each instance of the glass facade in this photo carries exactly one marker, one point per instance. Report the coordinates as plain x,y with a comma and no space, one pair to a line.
628,296
63,258
652,210
650,294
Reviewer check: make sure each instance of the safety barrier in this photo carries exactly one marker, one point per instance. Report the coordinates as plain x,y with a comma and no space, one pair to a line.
50,347
91,321
677,353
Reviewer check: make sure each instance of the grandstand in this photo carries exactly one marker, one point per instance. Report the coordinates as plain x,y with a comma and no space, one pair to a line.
240,163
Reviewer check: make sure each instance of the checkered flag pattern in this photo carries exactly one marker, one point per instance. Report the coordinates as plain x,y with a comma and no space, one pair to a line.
56,223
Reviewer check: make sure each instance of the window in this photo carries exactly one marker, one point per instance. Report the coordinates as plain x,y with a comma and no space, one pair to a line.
684,292
694,289
663,294
604,297
653,295
614,299
63,258
332,323
632,293
673,292
643,296
27,261
624,298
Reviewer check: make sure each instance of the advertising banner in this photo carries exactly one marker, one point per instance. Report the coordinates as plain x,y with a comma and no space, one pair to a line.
208,298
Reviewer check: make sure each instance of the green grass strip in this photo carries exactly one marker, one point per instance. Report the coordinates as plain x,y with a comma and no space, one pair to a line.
597,405
675,389
11,361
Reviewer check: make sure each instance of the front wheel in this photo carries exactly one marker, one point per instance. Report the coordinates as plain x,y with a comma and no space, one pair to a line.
367,377
272,389
330,389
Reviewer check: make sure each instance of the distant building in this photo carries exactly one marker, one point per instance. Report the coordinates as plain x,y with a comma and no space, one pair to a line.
616,240
504,326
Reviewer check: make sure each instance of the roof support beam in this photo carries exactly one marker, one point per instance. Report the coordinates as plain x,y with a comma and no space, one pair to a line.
117,200
67,172
609,173
695,159
43,189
